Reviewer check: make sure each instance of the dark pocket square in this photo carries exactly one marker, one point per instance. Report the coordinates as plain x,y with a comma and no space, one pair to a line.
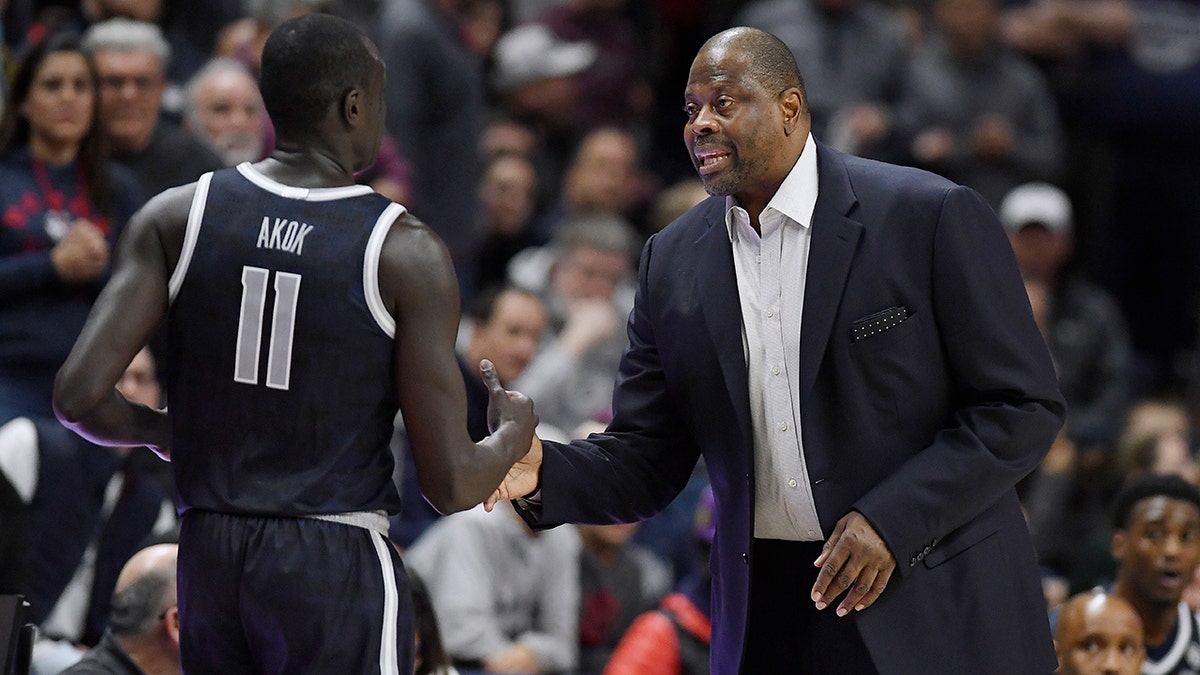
877,323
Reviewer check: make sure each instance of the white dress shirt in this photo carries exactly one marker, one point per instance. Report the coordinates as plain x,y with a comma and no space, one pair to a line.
770,271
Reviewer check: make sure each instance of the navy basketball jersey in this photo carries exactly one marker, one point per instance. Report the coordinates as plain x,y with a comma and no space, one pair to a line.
280,367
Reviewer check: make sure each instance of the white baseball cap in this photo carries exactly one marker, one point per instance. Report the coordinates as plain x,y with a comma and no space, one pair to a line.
533,52
1036,203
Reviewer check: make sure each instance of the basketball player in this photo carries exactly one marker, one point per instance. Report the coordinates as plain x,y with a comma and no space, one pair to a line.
301,311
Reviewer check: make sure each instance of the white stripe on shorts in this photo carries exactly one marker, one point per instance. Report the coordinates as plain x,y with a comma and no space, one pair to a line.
389,663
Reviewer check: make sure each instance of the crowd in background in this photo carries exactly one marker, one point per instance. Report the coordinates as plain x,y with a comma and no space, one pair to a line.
541,140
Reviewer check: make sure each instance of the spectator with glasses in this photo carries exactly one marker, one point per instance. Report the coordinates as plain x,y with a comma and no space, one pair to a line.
132,58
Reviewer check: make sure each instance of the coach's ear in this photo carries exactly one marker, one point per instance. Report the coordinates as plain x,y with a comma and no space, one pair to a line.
171,623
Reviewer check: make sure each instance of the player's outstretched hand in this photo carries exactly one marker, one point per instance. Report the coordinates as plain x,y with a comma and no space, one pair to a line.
507,407
511,417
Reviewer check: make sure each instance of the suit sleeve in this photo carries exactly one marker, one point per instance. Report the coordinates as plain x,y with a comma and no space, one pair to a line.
643,460
1006,408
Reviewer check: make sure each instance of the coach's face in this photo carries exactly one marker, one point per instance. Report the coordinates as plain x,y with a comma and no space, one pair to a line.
737,131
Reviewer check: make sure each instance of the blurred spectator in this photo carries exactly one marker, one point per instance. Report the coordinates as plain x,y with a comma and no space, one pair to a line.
505,325
224,107
613,91
1156,543
1099,634
88,511
674,639
854,54
1068,501
1084,328
618,580
143,630
604,176
63,207
507,199
184,31
131,59
1156,438
1134,171
584,277
507,598
536,76
976,111
435,111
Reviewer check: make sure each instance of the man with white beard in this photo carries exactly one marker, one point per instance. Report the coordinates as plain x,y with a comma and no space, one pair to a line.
224,108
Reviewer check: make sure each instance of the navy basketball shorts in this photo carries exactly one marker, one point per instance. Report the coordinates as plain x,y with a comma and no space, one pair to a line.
290,595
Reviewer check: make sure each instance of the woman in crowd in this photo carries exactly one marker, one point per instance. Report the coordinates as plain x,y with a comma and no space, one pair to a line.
61,210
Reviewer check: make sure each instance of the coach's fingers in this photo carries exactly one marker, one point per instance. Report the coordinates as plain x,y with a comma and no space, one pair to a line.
831,542
880,583
838,571
858,590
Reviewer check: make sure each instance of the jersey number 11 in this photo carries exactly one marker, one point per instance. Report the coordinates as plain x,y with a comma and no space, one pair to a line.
250,327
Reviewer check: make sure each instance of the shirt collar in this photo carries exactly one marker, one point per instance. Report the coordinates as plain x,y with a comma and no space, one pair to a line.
795,199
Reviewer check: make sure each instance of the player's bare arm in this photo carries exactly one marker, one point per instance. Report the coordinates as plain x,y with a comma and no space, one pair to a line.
417,280
128,310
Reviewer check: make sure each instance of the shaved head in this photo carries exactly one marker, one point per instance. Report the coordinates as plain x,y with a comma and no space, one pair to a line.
144,590
769,62
1099,634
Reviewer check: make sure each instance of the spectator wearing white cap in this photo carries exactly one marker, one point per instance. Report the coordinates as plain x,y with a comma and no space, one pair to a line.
1084,328
536,77
534,70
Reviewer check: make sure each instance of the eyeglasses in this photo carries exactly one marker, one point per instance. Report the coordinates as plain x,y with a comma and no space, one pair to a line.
142,83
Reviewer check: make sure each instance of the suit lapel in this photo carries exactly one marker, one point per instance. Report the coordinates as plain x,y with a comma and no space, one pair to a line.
717,291
834,240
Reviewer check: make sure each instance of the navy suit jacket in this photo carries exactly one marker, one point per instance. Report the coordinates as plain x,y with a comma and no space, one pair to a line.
923,428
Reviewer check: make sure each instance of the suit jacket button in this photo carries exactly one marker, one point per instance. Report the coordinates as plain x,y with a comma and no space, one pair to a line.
745,557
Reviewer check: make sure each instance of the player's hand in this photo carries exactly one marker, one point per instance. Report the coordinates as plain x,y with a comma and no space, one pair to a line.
522,478
854,561
505,407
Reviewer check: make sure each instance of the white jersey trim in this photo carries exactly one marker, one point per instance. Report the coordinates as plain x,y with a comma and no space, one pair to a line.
1183,637
389,660
371,290
191,234
306,194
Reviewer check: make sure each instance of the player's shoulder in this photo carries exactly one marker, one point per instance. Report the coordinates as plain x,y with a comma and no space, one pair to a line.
170,207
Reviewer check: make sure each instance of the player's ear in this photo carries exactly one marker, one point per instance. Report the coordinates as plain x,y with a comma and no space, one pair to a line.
352,107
